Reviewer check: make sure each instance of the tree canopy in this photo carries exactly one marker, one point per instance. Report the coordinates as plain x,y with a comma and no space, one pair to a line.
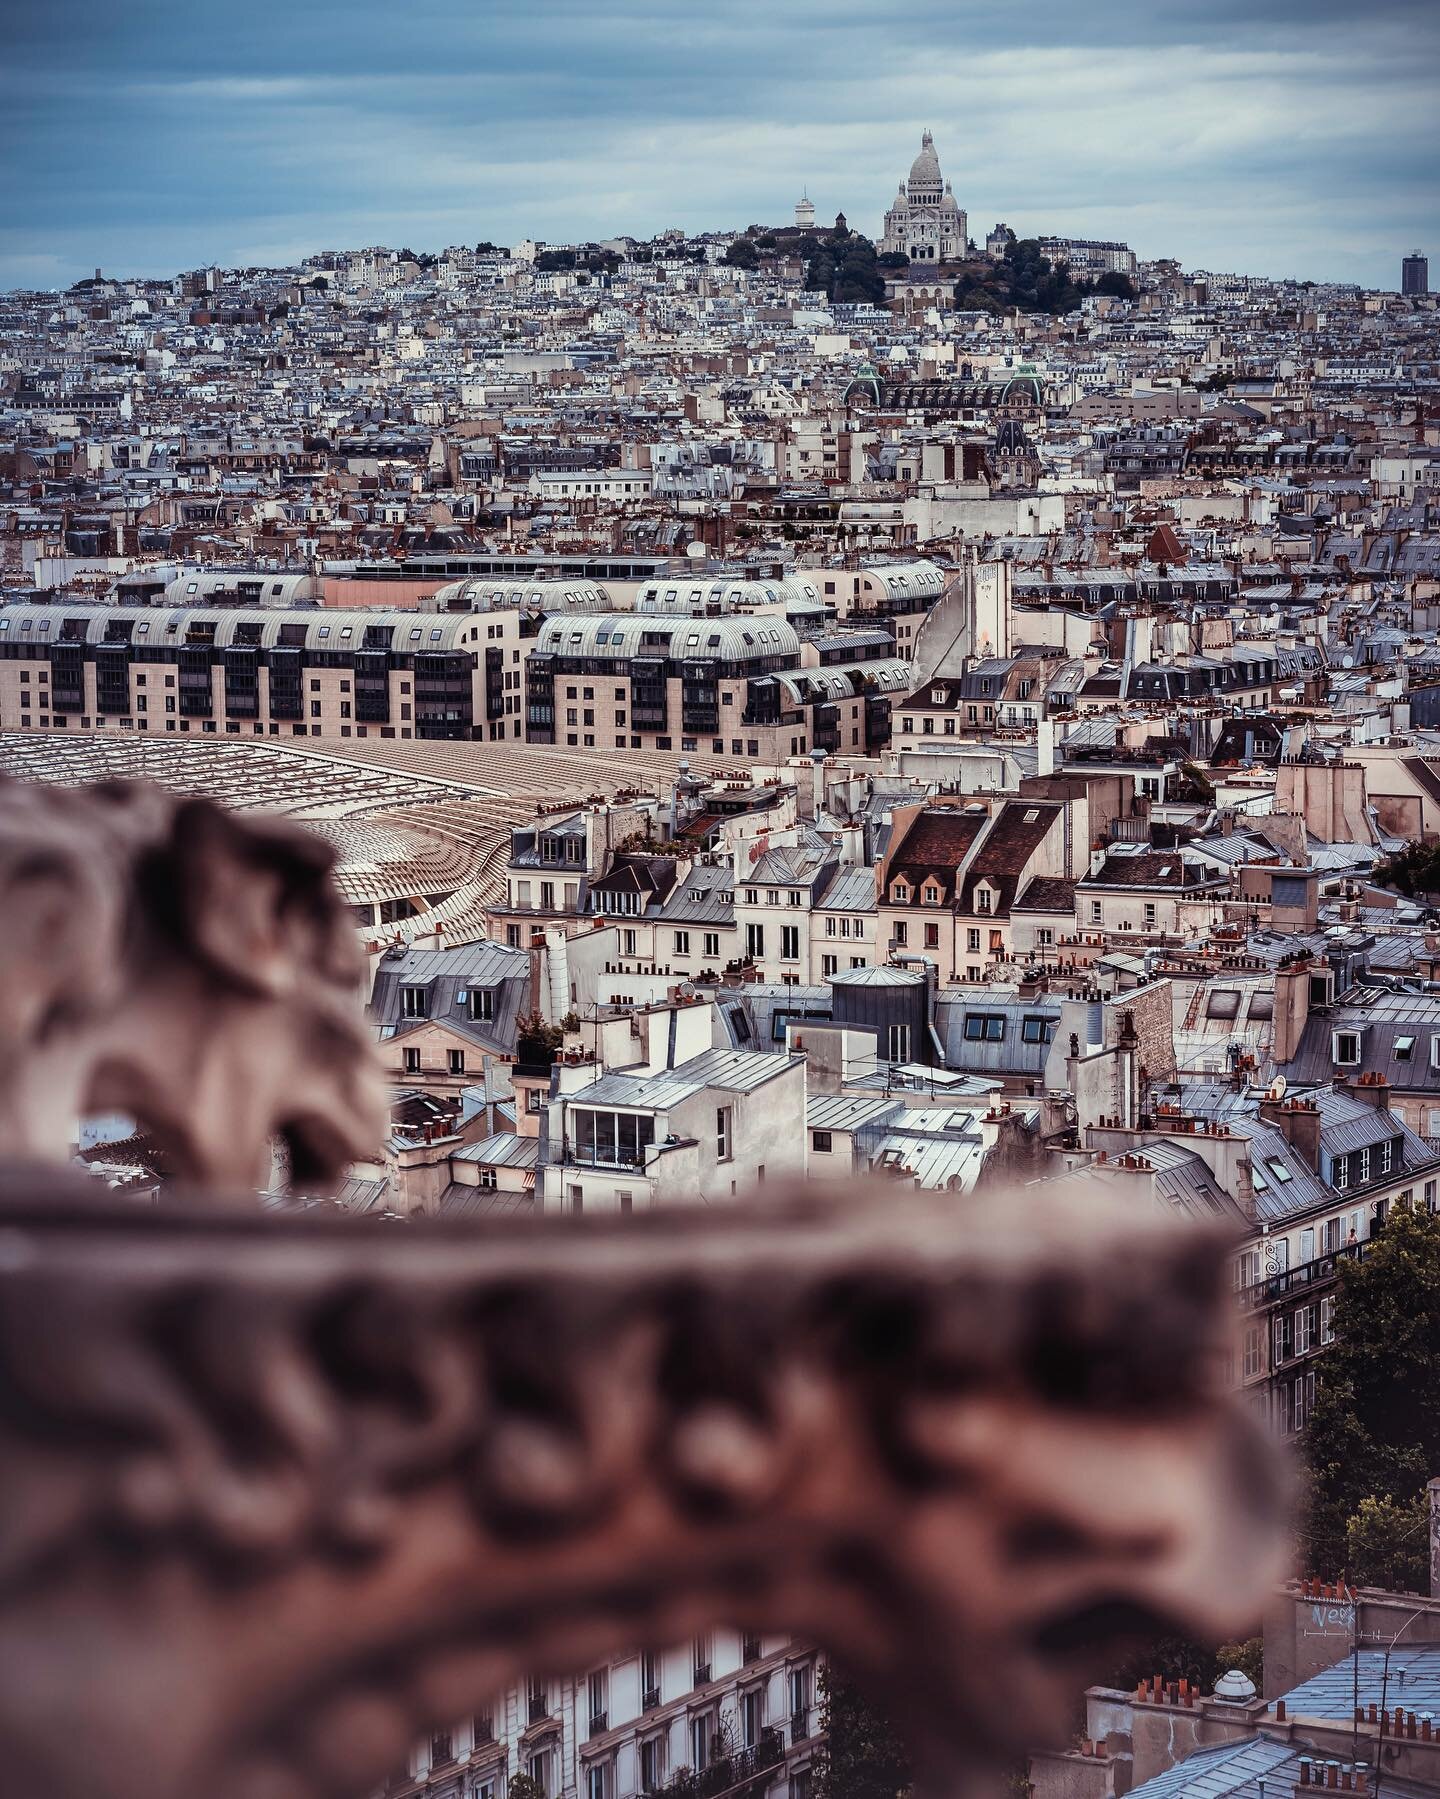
843,266
862,1757
742,254
1415,869
1026,280
1374,1437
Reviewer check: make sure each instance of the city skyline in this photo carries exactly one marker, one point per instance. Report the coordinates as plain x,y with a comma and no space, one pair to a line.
154,139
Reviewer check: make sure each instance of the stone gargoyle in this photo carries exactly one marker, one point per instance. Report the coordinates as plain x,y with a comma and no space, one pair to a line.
192,968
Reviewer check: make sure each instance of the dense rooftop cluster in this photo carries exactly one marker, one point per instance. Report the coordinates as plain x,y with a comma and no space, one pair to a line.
768,734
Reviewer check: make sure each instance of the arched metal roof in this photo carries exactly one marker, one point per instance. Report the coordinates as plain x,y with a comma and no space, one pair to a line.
619,634
493,593
691,594
173,627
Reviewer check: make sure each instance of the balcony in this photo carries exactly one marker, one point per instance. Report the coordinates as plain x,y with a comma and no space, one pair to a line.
702,1674
538,1709
649,1699
799,1726
745,1769
1299,1280
599,1723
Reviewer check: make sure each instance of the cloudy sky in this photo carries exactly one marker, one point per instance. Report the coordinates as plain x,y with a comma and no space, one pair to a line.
1297,137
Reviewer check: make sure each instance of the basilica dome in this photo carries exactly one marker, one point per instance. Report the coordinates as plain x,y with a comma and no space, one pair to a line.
925,170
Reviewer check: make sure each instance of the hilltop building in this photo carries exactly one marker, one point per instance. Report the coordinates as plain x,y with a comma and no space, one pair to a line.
924,222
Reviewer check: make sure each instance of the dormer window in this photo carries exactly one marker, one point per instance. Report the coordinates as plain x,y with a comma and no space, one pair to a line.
937,696
984,899
1346,1049
900,893
415,1002
930,894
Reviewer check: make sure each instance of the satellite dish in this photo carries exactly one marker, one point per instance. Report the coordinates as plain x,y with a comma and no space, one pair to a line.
1277,1088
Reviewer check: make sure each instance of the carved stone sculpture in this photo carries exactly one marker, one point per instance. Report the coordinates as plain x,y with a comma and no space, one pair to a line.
279,1494
190,967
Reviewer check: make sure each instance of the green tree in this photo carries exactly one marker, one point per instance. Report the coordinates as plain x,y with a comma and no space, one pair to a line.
862,1757
1387,1544
523,1786
1375,1432
742,254
1415,869
844,267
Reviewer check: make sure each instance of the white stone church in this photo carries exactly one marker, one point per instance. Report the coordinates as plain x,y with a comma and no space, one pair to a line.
924,223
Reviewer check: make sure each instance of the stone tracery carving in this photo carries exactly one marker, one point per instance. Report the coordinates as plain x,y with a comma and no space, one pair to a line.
279,1495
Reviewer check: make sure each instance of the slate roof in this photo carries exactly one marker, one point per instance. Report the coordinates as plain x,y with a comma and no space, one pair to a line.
1227,1771
504,1150
1384,1019
733,1071
851,890
1414,1684
1010,1055
450,975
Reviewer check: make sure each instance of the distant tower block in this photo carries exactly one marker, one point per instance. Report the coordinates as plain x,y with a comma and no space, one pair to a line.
805,213
1415,274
